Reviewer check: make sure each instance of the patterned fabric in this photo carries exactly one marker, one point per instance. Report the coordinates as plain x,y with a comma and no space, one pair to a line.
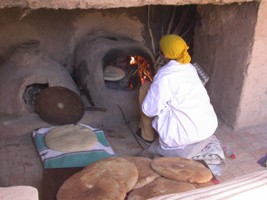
251,186
56,159
201,73
213,153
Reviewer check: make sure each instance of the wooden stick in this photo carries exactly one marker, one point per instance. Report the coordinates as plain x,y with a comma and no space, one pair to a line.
150,31
95,108
171,21
180,24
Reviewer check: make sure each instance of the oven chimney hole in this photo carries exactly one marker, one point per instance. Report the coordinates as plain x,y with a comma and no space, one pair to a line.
30,94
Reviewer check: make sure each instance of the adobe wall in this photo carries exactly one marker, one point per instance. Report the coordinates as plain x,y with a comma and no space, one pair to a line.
60,30
253,104
230,43
224,39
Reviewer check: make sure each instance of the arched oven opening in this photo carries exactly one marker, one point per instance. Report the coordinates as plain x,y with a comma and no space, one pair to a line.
127,72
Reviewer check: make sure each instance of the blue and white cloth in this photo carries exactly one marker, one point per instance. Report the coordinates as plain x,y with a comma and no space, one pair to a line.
57,159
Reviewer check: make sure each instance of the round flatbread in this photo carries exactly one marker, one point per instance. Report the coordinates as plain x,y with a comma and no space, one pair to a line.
202,185
97,184
110,178
70,138
145,173
182,169
160,186
120,167
112,73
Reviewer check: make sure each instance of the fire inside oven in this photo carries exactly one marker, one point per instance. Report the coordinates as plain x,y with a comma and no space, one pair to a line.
127,72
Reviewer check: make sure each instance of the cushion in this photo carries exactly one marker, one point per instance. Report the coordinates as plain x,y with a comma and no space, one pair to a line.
58,159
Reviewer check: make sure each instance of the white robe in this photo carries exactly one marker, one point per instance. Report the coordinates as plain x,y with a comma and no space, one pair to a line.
180,106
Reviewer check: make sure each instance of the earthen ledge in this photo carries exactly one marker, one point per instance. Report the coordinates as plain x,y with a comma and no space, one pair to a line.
105,4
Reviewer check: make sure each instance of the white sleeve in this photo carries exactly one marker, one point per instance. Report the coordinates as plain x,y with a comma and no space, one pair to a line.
157,97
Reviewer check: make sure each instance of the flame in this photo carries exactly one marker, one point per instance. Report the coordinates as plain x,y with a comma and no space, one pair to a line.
142,68
132,61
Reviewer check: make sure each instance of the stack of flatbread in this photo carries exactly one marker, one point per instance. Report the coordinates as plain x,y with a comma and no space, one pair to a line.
175,175
135,178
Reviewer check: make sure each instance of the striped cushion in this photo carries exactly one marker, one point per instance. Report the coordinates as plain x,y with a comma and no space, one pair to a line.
56,159
251,186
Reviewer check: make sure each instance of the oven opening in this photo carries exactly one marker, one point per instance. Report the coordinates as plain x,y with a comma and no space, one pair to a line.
127,72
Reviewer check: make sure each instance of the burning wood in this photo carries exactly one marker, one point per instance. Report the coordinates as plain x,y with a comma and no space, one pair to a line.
143,68
137,70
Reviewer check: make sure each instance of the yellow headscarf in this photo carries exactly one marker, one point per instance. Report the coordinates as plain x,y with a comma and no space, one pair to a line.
174,47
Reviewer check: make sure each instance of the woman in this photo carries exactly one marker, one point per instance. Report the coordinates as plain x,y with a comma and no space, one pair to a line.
176,103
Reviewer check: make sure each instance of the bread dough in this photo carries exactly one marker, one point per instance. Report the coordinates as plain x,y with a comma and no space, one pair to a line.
70,138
